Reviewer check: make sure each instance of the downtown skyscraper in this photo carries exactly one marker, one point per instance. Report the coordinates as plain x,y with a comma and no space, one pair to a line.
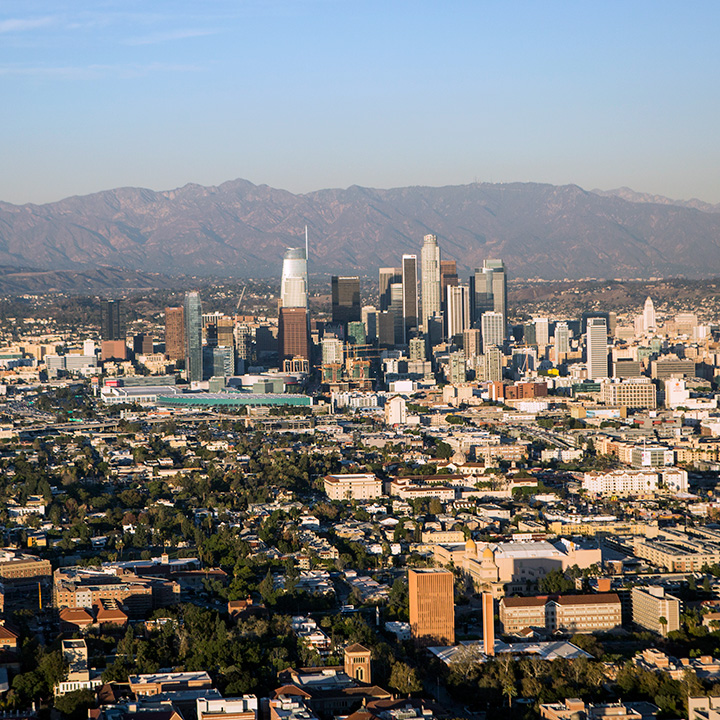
410,295
294,282
488,289
596,343
193,337
430,277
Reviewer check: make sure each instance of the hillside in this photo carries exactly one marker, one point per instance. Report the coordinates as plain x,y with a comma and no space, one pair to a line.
241,230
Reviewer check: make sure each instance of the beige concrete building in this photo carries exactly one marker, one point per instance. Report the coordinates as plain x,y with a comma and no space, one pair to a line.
432,606
360,486
703,708
680,551
565,613
513,567
622,483
630,393
650,605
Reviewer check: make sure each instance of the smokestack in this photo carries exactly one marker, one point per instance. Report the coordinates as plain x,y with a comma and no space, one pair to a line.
488,624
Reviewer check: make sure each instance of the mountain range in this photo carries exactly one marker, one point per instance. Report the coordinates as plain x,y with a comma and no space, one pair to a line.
239,229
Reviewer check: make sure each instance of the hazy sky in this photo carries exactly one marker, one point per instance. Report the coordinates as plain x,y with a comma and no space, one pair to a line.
307,94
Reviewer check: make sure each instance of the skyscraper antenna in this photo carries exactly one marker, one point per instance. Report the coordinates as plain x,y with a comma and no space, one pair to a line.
307,246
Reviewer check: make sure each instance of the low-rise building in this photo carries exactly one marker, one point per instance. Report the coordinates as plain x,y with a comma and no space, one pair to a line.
561,613
359,486
574,708
232,708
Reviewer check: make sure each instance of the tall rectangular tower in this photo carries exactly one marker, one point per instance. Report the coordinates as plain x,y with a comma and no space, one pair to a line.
498,284
492,325
175,333
410,294
193,337
596,347
458,310
432,606
293,334
430,275
111,326
387,276
345,299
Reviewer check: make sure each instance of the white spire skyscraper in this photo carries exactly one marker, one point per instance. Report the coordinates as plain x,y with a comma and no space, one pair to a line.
294,283
649,315
430,277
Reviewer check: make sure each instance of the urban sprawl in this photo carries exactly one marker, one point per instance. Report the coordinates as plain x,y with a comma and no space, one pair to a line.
431,506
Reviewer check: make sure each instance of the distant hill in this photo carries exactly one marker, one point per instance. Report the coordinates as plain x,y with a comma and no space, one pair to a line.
241,230
31,281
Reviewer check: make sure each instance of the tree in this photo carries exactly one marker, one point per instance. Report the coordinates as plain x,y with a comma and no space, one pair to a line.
75,704
555,583
663,623
404,678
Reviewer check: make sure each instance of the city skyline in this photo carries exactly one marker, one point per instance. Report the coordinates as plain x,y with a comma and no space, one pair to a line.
131,95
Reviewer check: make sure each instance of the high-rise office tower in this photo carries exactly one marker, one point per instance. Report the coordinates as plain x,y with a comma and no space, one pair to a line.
488,286
432,607
410,294
143,344
345,300
649,315
596,348
529,333
218,361
293,334
472,342
498,283
430,276
456,368
294,282
386,329
492,325
458,310
175,333
542,331
562,341
396,308
111,325
492,364
369,317
243,342
448,278
481,299
193,337
388,276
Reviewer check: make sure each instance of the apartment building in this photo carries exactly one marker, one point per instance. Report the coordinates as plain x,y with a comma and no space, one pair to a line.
359,486
680,551
652,605
622,483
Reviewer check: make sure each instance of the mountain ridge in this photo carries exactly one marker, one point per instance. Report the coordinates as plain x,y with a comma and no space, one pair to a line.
238,229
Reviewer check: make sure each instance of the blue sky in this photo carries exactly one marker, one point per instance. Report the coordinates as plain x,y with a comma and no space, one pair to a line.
307,94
